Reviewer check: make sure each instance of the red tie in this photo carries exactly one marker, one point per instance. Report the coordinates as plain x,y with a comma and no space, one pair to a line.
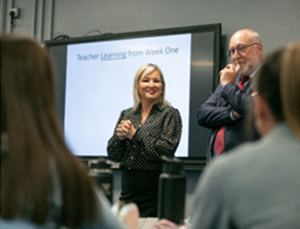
242,82
219,145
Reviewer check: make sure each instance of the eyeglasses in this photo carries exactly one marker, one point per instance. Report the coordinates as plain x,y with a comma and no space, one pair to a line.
240,50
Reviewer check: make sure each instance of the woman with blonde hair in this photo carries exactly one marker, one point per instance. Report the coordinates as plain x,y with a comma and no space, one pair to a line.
143,134
42,183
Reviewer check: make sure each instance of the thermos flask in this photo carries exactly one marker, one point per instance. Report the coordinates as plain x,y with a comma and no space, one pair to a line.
171,194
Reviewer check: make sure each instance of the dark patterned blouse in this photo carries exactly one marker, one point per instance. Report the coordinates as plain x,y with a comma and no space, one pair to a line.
159,135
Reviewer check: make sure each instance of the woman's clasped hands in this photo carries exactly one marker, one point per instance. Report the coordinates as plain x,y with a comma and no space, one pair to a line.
125,129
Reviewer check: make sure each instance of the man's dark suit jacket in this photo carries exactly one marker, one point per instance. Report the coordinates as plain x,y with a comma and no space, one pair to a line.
215,113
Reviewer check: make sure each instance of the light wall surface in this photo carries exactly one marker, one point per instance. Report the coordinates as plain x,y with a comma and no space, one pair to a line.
276,21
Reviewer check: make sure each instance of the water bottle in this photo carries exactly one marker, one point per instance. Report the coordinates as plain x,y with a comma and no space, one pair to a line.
101,171
171,193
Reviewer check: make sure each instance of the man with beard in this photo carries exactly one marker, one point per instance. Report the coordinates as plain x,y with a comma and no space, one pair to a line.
226,109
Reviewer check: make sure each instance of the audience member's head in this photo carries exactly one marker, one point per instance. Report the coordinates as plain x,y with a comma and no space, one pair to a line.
36,165
291,86
267,103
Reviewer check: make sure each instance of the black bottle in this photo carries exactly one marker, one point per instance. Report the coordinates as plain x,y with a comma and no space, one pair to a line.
101,171
171,193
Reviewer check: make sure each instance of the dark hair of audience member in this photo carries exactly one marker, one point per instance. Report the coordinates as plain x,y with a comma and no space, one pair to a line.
31,137
268,83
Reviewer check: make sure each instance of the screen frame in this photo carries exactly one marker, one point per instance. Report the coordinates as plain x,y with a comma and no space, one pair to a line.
191,163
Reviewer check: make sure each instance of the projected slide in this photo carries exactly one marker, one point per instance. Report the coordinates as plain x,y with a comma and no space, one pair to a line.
99,85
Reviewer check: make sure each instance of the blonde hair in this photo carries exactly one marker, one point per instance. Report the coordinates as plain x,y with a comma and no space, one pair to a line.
146,70
290,86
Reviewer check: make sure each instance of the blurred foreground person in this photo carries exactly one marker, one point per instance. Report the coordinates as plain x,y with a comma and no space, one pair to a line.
257,185
291,86
42,184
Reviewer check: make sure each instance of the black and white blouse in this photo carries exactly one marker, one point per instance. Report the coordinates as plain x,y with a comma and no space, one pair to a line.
159,135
